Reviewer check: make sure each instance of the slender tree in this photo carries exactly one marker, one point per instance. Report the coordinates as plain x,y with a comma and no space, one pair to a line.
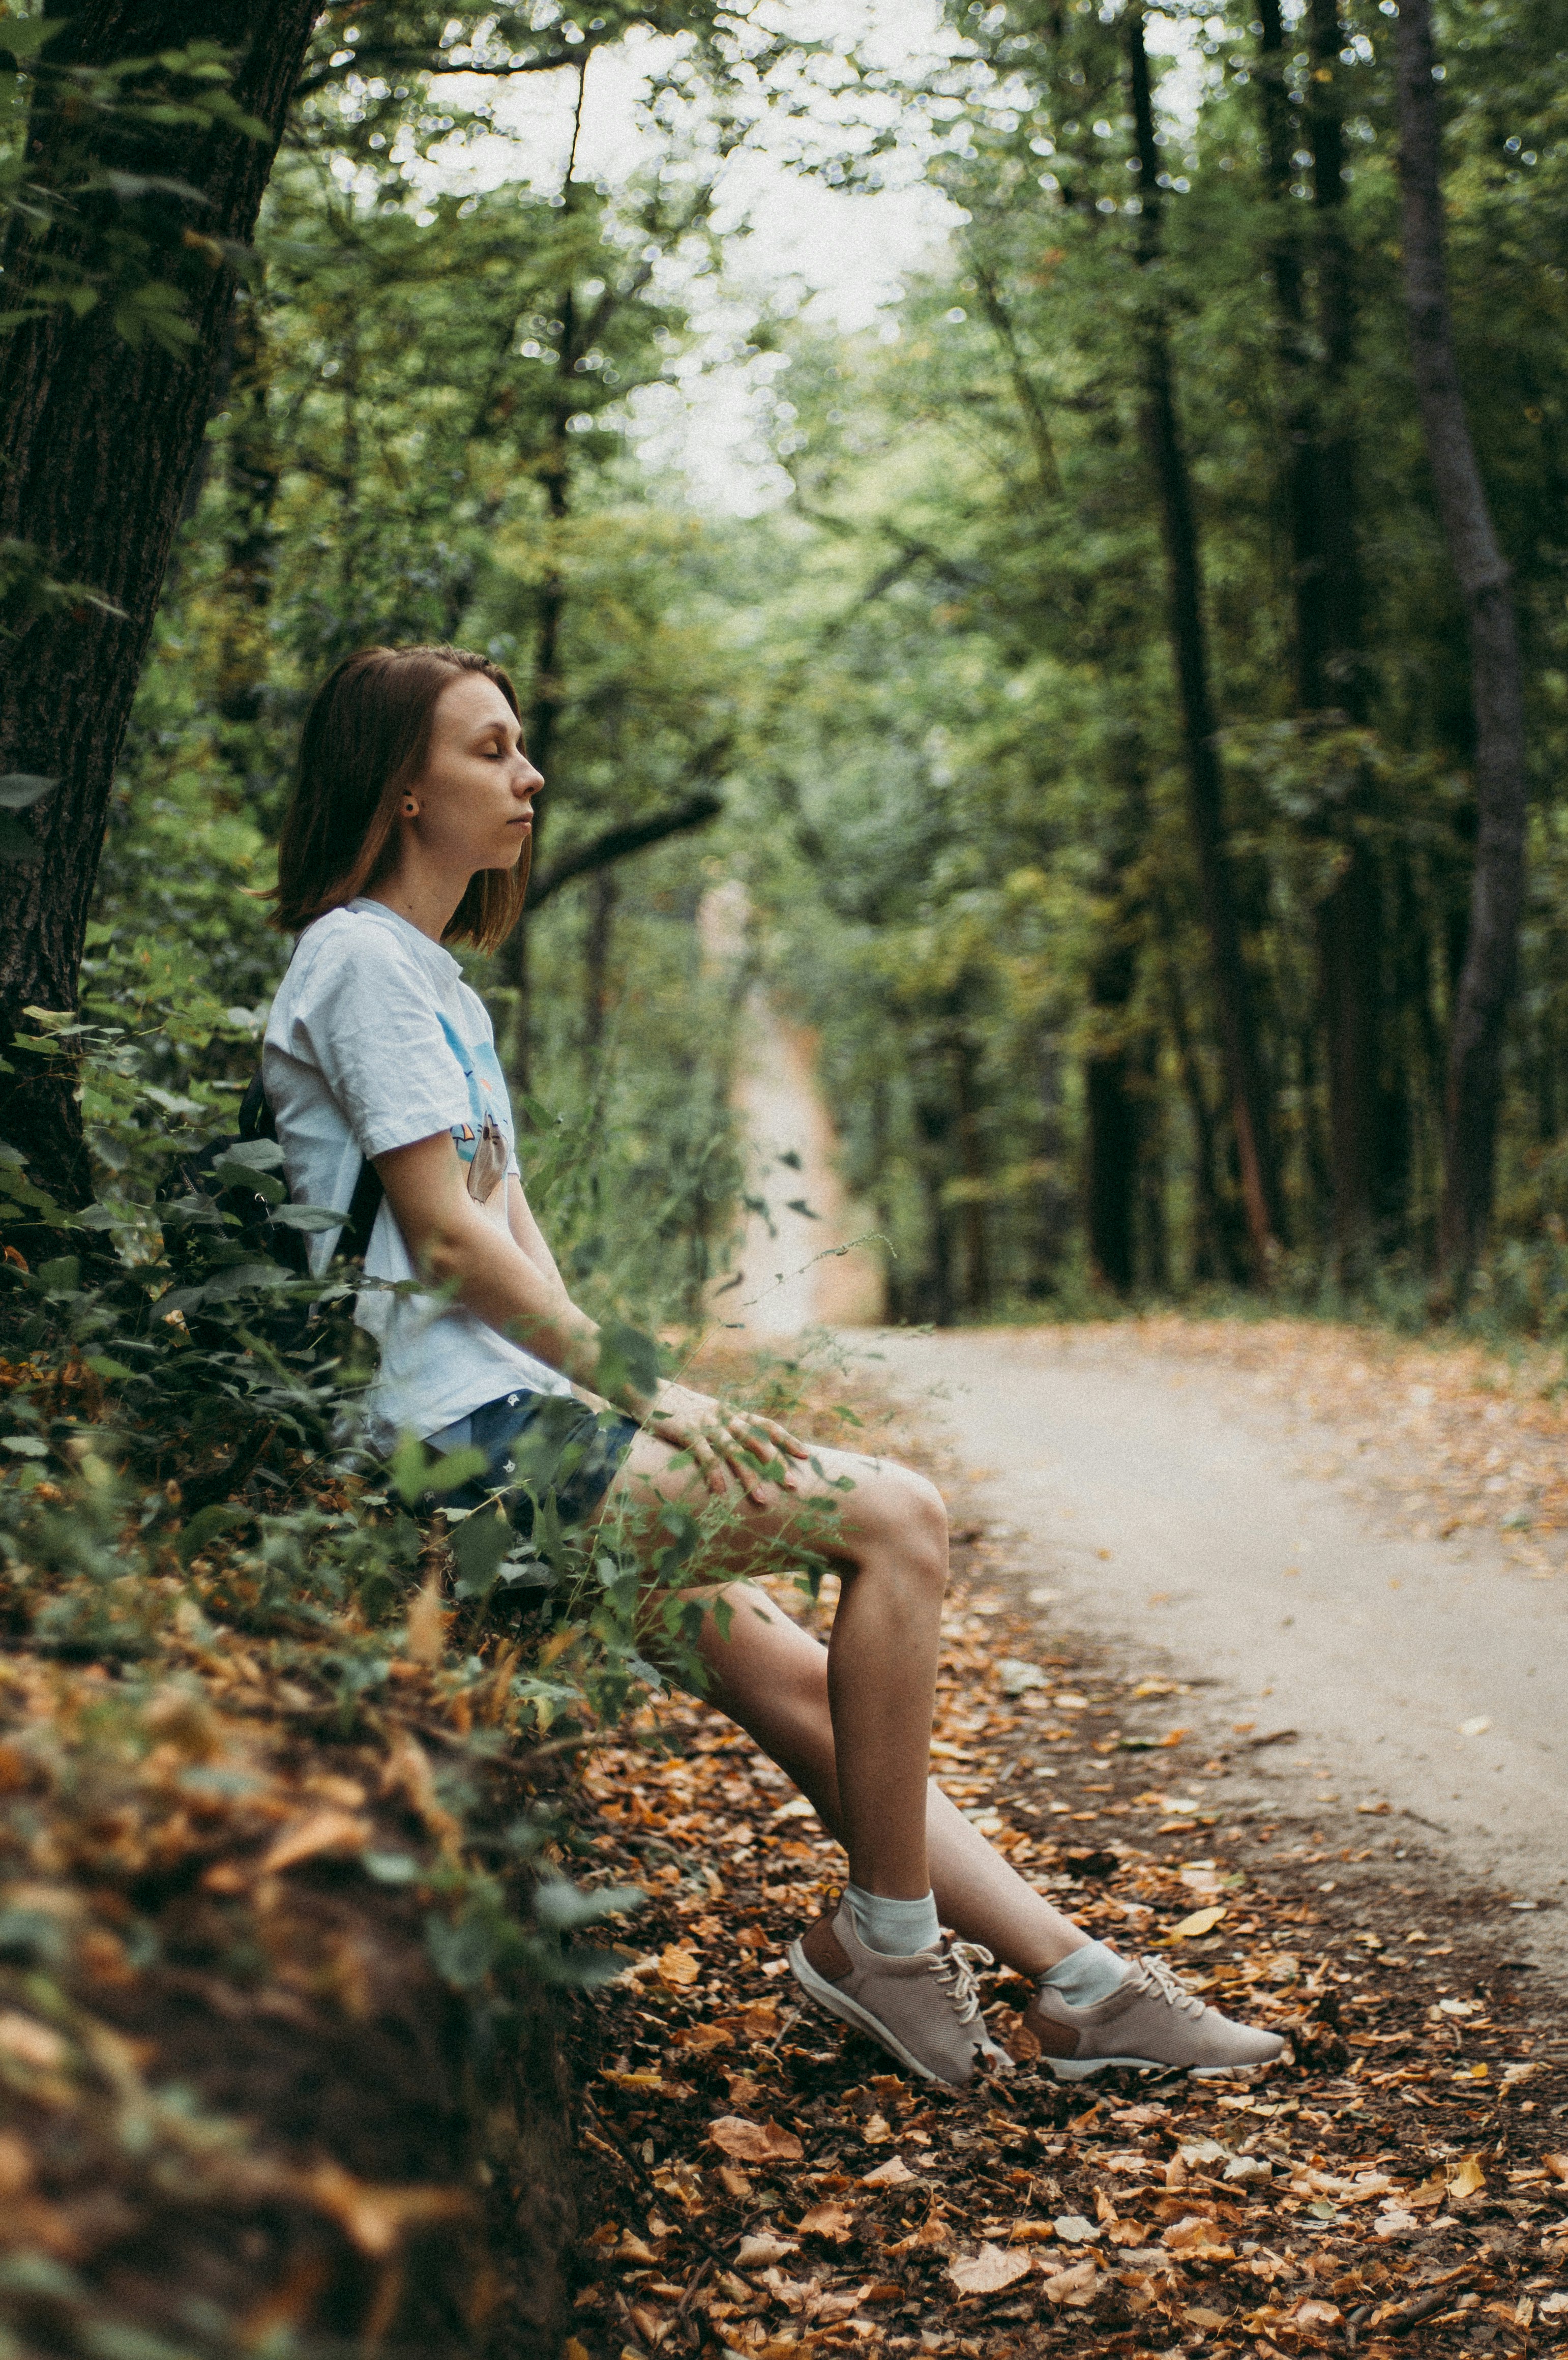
100,437
1189,641
1327,585
1475,1079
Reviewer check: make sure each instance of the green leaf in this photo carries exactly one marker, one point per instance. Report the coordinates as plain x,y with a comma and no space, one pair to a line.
310,1217
206,1524
407,1468
463,1954
561,1906
25,1446
390,1867
456,1468
20,790
479,1544
629,1360
101,1365
23,35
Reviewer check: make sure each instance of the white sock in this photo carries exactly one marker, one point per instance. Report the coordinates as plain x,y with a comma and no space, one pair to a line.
896,1928
1085,1977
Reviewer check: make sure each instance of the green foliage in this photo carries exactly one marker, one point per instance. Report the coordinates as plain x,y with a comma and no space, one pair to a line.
984,893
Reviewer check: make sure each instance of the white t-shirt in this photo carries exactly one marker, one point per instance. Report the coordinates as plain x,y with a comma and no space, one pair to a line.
374,1041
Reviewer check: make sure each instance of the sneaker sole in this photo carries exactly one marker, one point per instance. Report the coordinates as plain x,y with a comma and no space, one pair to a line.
1083,2069
849,2011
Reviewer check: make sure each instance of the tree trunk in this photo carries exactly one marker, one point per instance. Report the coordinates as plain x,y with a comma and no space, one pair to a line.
101,438
1329,598
974,1224
1232,984
1113,1120
549,689
1475,1079
602,897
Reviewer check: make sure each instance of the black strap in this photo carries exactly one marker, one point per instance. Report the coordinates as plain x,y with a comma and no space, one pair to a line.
353,1238
258,1122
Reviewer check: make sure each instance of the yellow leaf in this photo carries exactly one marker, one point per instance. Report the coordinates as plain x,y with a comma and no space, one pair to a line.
1073,2287
679,1966
755,2142
990,2270
1466,2177
1202,1921
427,1625
329,1831
830,2221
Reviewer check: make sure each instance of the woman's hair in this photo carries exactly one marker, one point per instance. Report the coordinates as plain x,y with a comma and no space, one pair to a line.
365,740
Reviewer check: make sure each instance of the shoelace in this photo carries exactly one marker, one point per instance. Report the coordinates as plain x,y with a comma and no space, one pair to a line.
1162,1984
954,1967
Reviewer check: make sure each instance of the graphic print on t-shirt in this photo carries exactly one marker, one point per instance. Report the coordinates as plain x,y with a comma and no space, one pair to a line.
483,1143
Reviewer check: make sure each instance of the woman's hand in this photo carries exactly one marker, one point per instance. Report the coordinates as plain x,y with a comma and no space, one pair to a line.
722,1441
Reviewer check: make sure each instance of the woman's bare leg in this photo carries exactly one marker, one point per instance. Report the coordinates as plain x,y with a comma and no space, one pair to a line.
887,1537
771,1677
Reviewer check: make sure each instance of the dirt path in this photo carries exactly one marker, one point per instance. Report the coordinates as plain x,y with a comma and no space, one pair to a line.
1146,1495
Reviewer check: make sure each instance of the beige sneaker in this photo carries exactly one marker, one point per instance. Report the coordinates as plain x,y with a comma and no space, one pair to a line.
925,2010
1150,2021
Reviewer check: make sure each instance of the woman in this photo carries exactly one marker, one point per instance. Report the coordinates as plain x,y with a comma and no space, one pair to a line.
409,827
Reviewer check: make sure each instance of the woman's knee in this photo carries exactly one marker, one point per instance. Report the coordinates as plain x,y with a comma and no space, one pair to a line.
910,1519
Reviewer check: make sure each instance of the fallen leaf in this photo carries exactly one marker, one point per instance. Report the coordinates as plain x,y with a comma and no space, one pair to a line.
1312,2313
1073,2287
1073,2230
1202,1921
1031,2233
702,2037
891,2174
1198,2315
324,1832
377,2220
1196,2241
755,2142
426,1627
764,2247
991,2269
830,2221
1557,2164
1466,2177
1393,2223
679,1966
933,2231
30,2042
875,2130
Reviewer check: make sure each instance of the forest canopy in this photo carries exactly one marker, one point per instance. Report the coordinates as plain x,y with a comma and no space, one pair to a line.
932,704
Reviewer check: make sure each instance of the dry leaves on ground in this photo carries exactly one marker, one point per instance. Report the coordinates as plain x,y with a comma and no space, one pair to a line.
1399,2183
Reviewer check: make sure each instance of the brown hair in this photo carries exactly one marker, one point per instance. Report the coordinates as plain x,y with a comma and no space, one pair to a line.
365,740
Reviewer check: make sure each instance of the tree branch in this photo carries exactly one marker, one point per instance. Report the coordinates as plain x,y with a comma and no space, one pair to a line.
619,843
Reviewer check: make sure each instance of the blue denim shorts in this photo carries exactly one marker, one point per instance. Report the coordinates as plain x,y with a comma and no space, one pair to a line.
540,1447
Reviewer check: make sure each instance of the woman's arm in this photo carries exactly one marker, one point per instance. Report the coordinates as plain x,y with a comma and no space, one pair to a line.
451,1239
527,1233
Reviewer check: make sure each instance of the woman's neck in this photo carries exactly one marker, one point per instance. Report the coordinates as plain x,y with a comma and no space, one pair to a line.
427,901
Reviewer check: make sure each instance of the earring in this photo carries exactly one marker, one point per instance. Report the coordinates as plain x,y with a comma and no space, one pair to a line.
410,808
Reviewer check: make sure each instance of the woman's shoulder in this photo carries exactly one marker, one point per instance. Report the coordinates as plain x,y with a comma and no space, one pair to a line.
359,940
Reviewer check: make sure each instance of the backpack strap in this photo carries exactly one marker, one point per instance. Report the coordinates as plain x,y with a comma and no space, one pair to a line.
257,1122
353,1238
